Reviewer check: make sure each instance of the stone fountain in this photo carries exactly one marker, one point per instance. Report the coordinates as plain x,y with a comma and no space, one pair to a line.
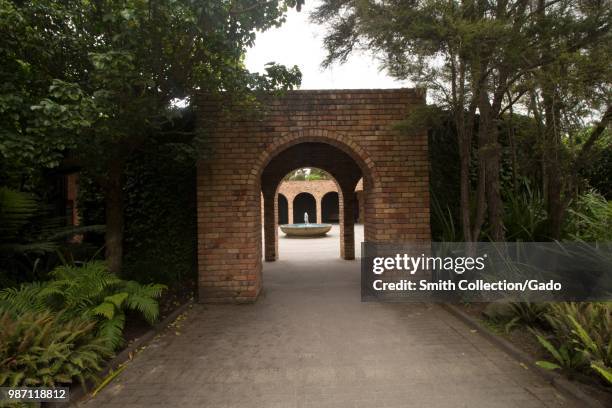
305,229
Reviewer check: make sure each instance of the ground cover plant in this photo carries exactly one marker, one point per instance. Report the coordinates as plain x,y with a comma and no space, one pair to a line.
63,329
575,338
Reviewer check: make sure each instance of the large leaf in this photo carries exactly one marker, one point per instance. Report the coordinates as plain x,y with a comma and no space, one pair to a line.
105,309
117,299
548,365
605,372
551,349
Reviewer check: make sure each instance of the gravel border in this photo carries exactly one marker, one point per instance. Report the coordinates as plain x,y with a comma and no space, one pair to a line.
565,386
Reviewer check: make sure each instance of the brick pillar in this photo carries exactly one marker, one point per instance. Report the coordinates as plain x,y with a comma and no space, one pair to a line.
290,209
318,203
270,226
360,203
347,220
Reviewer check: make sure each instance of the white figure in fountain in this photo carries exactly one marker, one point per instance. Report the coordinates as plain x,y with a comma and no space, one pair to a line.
305,218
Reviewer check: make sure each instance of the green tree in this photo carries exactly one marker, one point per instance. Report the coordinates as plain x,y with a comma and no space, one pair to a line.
479,59
97,79
572,83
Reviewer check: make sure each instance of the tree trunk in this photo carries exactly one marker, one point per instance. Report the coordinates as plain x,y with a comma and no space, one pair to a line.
552,150
114,216
464,153
494,201
490,152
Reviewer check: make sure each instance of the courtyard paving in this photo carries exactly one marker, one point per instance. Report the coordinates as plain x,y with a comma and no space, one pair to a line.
310,342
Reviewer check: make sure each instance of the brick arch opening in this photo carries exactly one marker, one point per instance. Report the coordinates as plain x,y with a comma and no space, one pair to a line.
283,209
314,135
304,203
313,153
291,189
330,207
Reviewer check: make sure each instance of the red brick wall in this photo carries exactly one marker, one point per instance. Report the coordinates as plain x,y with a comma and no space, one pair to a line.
318,189
354,125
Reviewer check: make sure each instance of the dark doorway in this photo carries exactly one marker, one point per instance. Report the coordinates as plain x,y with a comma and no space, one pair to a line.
304,203
330,207
283,210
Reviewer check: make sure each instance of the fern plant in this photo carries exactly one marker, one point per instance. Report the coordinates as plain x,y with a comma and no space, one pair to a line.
47,350
88,291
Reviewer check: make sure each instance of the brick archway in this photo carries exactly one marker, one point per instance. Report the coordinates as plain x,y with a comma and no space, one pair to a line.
330,207
288,189
283,209
304,203
317,135
240,145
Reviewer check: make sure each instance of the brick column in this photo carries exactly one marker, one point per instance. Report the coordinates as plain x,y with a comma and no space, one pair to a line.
360,203
319,203
290,209
270,226
347,220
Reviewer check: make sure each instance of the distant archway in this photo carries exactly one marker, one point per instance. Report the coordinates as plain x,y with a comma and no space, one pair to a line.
304,203
283,210
330,207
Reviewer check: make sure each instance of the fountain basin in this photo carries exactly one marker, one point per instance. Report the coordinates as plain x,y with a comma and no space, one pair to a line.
305,230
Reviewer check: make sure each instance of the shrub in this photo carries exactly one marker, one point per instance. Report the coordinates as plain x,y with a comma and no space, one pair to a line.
160,214
91,292
514,314
581,334
46,349
524,213
590,219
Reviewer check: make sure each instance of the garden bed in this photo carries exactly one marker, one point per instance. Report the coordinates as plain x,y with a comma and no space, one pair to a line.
524,340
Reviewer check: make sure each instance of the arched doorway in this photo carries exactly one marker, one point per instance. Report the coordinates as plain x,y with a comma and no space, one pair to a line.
330,207
304,203
283,209
342,168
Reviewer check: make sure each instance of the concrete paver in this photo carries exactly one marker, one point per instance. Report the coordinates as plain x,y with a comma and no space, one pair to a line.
310,342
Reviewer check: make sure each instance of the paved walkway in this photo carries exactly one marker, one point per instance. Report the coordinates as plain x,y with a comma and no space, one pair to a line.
310,342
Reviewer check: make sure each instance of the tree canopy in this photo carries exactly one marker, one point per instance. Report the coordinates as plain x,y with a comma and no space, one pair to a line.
481,60
94,80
